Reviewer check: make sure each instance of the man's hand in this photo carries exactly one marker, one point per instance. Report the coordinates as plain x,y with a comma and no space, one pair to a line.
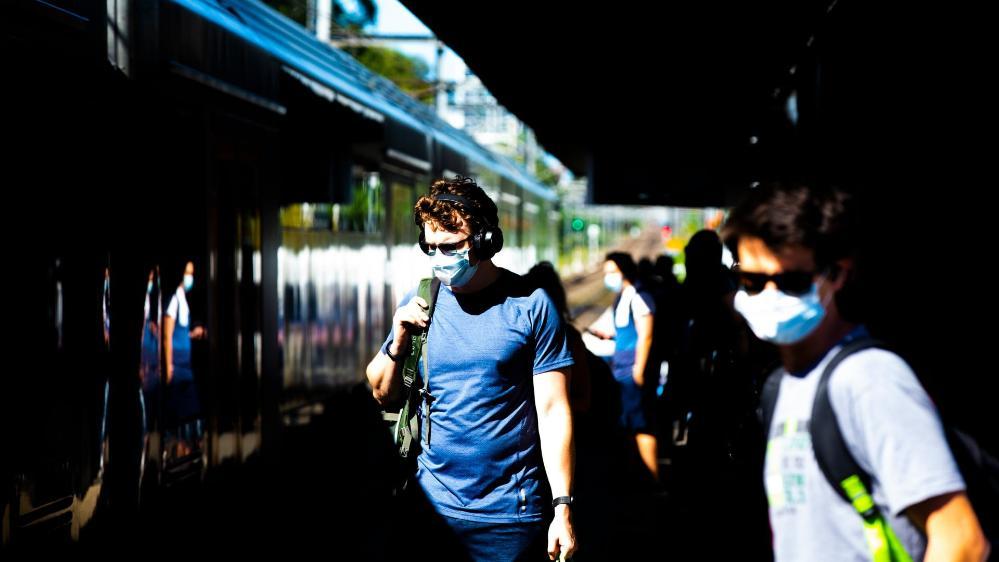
561,537
382,371
600,333
413,314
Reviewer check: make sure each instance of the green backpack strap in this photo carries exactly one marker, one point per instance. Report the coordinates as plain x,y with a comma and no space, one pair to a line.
407,426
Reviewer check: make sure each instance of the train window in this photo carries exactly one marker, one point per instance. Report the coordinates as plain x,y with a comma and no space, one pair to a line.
407,264
509,216
535,231
365,211
331,295
403,198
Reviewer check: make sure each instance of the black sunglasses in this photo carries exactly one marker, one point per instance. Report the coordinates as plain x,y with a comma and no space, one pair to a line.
448,249
795,283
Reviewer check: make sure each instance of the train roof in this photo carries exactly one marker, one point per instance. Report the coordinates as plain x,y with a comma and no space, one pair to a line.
336,75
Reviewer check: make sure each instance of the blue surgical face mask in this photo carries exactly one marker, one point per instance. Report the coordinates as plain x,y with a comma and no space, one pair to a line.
453,271
780,318
188,282
614,281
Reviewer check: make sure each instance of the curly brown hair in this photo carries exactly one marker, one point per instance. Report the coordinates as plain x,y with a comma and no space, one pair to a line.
448,215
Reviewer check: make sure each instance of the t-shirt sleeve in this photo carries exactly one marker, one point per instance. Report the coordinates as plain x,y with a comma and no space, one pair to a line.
551,348
892,429
171,310
643,304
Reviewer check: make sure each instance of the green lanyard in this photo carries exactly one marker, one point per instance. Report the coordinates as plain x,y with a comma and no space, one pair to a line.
881,540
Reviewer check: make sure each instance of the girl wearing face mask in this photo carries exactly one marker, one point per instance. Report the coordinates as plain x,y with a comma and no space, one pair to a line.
632,318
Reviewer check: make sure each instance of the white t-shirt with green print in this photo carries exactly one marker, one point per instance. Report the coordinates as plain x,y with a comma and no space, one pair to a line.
892,429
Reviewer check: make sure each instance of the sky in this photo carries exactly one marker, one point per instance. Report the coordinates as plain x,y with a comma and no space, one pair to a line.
394,18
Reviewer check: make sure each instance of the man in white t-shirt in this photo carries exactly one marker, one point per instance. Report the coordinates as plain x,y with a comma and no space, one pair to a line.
796,248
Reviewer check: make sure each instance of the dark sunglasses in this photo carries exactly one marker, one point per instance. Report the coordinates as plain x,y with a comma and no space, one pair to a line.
448,249
795,283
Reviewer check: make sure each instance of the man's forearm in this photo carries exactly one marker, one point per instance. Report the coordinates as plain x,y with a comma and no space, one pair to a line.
383,373
952,529
557,448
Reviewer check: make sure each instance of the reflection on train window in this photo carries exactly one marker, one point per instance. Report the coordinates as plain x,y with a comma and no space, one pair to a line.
403,199
106,307
407,264
331,297
364,212
149,367
104,437
183,431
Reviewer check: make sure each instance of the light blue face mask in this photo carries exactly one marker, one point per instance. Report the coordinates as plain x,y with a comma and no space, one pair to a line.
188,282
780,318
453,271
149,288
614,281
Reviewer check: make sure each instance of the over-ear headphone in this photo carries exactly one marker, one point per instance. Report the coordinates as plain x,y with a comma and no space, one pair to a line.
487,241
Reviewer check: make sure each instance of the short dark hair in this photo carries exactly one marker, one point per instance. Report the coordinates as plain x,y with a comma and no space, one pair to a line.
448,214
626,264
826,220
822,219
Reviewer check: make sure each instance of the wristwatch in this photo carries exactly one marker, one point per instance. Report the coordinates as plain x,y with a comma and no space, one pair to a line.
388,351
567,500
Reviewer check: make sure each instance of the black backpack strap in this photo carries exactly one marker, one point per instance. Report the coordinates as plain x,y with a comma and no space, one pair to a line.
841,470
768,399
831,452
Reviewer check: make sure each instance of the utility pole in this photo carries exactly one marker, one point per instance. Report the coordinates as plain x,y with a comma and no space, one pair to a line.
324,18
440,102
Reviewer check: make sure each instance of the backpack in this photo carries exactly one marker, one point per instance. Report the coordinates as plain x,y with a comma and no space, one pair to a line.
403,423
979,469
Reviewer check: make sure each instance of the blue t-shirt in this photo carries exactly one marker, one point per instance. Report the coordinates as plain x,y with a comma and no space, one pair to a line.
483,461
